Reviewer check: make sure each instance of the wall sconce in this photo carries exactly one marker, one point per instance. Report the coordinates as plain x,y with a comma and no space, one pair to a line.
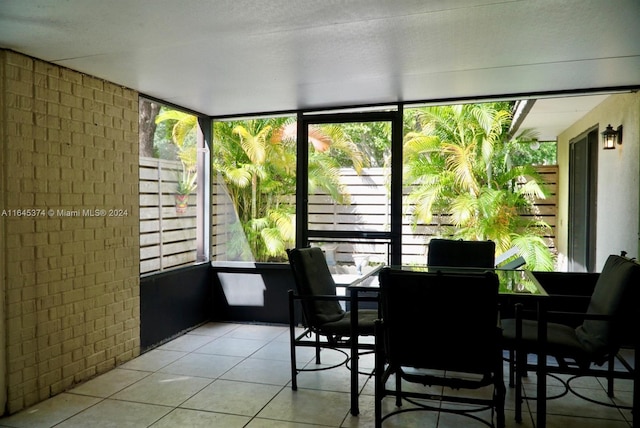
610,137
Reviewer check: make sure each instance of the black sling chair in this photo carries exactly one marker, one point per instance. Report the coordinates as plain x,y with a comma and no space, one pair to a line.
444,321
326,324
582,343
459,253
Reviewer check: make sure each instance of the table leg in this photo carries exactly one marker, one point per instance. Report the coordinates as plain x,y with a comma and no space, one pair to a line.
354,352
542,368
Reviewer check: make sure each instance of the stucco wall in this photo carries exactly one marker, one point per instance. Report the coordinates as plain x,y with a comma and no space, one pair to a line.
618,179
70,228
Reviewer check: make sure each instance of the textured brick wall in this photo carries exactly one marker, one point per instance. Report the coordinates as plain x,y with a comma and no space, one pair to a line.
70,227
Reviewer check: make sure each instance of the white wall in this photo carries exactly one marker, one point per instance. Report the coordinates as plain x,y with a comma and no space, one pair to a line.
618,179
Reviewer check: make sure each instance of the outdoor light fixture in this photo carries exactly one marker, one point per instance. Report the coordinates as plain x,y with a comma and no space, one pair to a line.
611,136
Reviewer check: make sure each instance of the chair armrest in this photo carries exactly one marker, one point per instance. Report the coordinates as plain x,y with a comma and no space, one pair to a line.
332,297
558,303
563,317
319,297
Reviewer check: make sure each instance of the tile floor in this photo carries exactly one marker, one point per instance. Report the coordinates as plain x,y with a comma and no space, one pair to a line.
237,375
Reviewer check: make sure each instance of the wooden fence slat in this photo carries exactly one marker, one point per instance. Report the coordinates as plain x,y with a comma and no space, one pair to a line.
167,238
369,210
367,200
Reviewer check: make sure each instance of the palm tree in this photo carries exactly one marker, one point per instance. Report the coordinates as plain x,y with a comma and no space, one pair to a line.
257,160
330,148
183,136
256,174
459,166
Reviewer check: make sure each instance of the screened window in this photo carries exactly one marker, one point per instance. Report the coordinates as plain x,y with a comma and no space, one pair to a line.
172,156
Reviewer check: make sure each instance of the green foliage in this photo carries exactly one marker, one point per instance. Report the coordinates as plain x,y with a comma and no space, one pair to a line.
373,139
536,153
186,182
182,128
459,162
256,159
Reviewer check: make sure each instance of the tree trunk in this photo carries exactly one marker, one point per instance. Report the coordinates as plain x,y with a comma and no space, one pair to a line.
148,111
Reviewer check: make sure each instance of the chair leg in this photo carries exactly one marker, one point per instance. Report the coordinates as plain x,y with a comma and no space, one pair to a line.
398,387
635,409
499,402
378,376
520,363
499,390
317,349
610,374
292,341
294,370
512,368
520,358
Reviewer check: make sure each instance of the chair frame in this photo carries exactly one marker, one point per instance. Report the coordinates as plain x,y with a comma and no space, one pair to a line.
520,366
569,298
317,337
461,249
384,370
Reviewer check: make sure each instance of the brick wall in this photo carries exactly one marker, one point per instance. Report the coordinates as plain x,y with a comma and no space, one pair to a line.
70,227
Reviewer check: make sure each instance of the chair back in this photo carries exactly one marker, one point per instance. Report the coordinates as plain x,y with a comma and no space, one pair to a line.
313,278
459,253
441,320
616,296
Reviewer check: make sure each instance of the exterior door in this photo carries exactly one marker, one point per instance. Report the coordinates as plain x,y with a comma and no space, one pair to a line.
583,167
367,226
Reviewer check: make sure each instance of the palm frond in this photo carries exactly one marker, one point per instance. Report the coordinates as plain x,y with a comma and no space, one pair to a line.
253,145
240,177
273,241
460,162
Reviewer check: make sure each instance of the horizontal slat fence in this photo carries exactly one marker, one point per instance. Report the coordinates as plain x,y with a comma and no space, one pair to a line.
167,238
547,209
223,220
368,211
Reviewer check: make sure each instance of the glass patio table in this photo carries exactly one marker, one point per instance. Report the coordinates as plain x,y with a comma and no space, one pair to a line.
516,286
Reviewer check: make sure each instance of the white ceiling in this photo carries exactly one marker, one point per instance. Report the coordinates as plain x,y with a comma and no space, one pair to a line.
227,57
550,116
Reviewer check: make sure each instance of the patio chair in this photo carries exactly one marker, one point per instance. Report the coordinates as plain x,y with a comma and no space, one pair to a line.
439,328
584,343
459,253
326,324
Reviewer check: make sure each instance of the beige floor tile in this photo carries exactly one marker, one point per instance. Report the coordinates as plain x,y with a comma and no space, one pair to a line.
153,360
163,389
232,346
113,413
308,406
198,419
260,371
556,421
226,396
110,383
268,423
332,379
187,343
202,365
257,331
571,405
214,329
50,412
281,351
